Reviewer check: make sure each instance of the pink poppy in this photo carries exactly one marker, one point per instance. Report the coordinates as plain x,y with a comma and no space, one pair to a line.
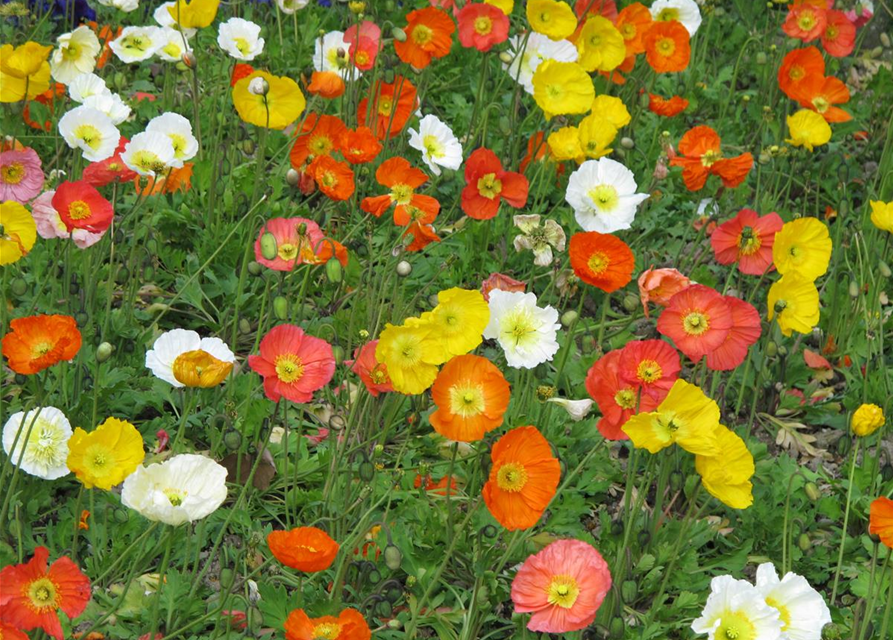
747,239
562,586
21,175
50,225
698,320
659,285
365,43
373,373
293,364
745,331
502,282
861,14
284,243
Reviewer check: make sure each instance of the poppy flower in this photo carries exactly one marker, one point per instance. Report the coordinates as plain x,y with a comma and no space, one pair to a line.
306,549
487,184
293,364
808,129
650,365
113,169
602,260
537,150
798,69
373,373
697,320
439,487
660,285
320,136
402,179
667,46
31,595
523,478
727,476
35,343
281,105
410,354
335,179
805,22
81,206
349,625
633,22
880,520
821,94
839,36
563,586
174,180
700,156
21,177
18,232
606,8
747,239
745,331
365,43
104,457
326,84
794,302
471,395
392,105
284,243
561,88
359,146
422,235
616,398
240,70
8,632
482,25
500,281
552,18
429,34
803,246
666,107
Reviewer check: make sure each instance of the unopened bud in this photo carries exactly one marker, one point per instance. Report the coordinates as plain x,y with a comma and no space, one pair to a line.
244,326
280,307
259,87
812,491
762,58
854,289
403,268
392,557
631,302
885,39
269,248
188,59
398,34
104,351
804,542
627,142
334,272
255,268
505,57
884,268
292,177
569,318
338,353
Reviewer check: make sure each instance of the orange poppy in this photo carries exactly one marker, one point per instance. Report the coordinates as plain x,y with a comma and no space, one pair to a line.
319,136
798,68
471,395
359,146
402,179
805,22
306,549
839,35
439,487
667,46
37,342
429,34
326,84
633,22
626,66
821,94
106,34
523,478
240,70
179,179
700,155
880,520
392,105
602,260
422,236
335,179
666,107
349,625
536,150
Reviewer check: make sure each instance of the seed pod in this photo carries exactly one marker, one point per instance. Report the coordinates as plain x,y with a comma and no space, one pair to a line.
643,538
232,439
505,57
292,177
569,318
104,352
392,557
280,307
812,491
269,248
334,272
255,268
18,286
403,268
804,542
244,326
122,276
629,590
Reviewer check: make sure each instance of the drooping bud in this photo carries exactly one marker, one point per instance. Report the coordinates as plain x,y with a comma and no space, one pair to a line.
269,248
104,352
334,272
280,307
188,58
398,34
259,87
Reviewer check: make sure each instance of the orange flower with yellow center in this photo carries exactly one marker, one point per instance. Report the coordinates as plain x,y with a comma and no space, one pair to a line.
471,395
199,368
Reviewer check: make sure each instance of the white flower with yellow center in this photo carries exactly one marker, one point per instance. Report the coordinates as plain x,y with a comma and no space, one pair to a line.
150,154
184,488
179,130
526,333
111,105
526,58
439,147
290,6
136,44
684,11
170,345
86,85
171,46
240,39
74,55
91,131
331,53
121,5
37,442
164,18
802,609
736,610
603,195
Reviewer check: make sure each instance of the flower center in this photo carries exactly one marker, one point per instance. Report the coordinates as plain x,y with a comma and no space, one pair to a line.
821,104
518,327
735,626
666,47
137,43
555,91
489,186
668,14
13,173
179,144
287,251
89,135
831,32
41,349
563,591
710,156
361,58
605,197
598,263
172,49
329,179
147,160
628,31
483,25
78,210
748,242
422,35
242,45
511,477
432,146
695,323
466,400
385,105
327,631
320,145
401,193
806,21
99,460
289,368
42,593
175,496
379,374
649,371
625,399
797,73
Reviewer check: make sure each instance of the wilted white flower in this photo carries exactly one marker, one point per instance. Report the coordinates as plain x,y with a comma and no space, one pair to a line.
172,344
41,442
576,409
539,238
439,147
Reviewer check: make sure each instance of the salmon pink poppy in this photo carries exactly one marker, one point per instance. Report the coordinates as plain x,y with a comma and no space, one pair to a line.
335,179
373,373
487,184
747,239
700,156
650,365
81,206
359,146
839,36
31,595
113,169
429,35
798,69
284,243
293,364
320,136
617,399
36,343
805,22
745,331
402,179
471,395
482,25
563,586
326,84
660,285
666,107
697,320
606,8
306,549
601,260
392,105
365,43
502,282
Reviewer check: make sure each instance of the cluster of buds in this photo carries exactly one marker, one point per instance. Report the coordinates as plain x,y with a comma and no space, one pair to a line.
771,152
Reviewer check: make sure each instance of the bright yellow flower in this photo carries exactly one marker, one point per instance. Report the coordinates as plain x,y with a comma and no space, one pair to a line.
686,417
196,14
596,134
410,354
803,246
104,457
562,87
551,18
199,368
727,475
458,322
281,105
882,215
565,144
808,129
612,109
24,71
506,6
795,300
18,233
867,419
601,46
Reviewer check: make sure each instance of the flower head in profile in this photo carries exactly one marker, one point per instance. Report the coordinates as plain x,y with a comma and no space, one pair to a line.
562,88
747,239
552,18
666,107
603,195
596,134
429,35
745,331
37,442
193,14
277,108
332,54
32,594
700,156
563,586
471,395
75,53
882,215
348,625
24,71
182,358
697,320
523,478
617,398
667,46
487,184
240,38
529,51
184,488
104,457
326,84
727,475
660,285
335,179
808,129
179,130
36,343
527,333
601,260
794,302
802,246
373,373
500,281
482,26
306,549
538,237
411,355
18,232
575,409
81,206
867,419
458,320
112,169
802,609
735,608
91,131
392,105
293,364
438,144
880,520
87,85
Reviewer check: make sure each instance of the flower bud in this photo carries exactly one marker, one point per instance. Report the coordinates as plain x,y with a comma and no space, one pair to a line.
269,248
338,353
884,268
771,349
628,591
398,34
867,419
188,59
18,286
334,273
617,627
392,557
292,177
232,439
812,491
627,142
569,318
366,471
762,58
255,268
259,87
403,268
104,352
244,326
631,302
854,289
804,542
505,57
280,307
764,157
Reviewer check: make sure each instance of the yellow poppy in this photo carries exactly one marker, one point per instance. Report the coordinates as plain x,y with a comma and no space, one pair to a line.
199,368
803,246
104,457
727,476
808,129
882,215
194,14
596,134
553,19
565,144
562,88
795,301
18,233
281,105
458,322
24,71
409,353
601,46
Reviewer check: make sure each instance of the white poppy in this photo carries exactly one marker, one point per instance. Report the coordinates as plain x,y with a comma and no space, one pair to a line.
802,609
683,11
91,131
240,39
171,47
111,105
526,58
603,195
184,488
331,54
136,44
75,54
179,130
576,409
86,85
735,609
290,6
149,154
526,333
121,5
439,147
172,344
41,442
164,18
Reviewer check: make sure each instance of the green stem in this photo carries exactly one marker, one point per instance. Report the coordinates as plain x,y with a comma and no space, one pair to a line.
846,519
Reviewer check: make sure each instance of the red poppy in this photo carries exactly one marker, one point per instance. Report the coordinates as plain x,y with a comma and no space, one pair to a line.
359,146
240,70
104,172
805,22
373,373
81,206
799,67
697,320
486,185
601,260
700,155
839,36
335,179
606,8
35,343
320,136
439,487
744,332
616,399
293,364
815,360
666,107
8,632
402,179
482,25
429,34
392,105
283,243
747,239
880,520
365,43
650,365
